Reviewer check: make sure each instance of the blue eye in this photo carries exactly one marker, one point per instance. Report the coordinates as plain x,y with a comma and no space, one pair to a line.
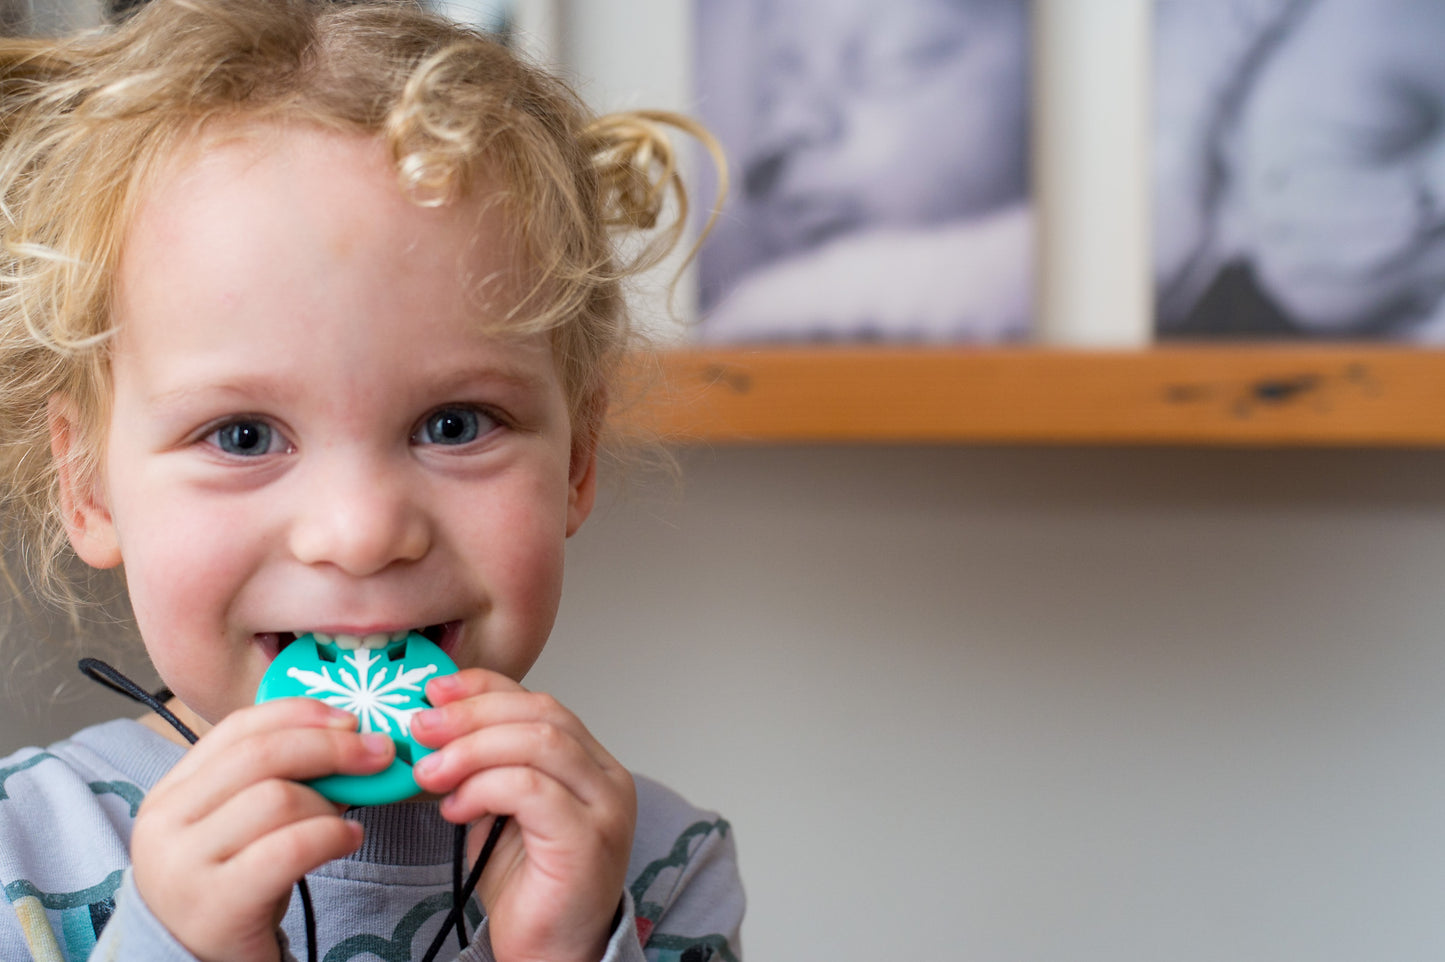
454,425
247,439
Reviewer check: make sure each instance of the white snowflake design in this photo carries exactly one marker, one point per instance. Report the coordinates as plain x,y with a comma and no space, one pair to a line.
372,698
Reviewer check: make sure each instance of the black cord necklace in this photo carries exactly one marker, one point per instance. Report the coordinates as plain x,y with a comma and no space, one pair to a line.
99,671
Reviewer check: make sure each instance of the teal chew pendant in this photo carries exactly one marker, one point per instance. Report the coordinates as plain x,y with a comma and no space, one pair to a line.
382,682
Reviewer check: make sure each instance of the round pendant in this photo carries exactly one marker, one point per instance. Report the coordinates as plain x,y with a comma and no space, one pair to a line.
383,687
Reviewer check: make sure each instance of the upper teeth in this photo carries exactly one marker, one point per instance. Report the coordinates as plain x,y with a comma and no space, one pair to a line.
378,639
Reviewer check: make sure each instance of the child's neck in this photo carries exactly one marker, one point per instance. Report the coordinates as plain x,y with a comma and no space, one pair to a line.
158,724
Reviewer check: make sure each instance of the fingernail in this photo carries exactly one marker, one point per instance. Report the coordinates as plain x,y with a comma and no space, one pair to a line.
376,743
427,718
426,765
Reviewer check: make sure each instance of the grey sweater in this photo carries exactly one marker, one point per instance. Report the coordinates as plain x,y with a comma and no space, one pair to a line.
65,821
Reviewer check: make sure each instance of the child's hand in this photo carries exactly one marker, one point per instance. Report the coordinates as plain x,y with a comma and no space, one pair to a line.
221,840
556,878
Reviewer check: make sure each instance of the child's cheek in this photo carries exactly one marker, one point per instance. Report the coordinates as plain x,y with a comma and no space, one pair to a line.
185,572
523,584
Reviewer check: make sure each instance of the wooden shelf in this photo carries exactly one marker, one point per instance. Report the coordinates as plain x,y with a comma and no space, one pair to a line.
1334,396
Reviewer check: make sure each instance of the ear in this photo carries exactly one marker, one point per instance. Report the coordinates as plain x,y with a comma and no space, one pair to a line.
82,504
582,472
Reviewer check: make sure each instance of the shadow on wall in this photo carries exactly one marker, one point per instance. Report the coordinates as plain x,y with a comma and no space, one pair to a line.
953,478
43,694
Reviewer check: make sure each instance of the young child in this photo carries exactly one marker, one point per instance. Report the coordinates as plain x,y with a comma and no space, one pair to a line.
309,318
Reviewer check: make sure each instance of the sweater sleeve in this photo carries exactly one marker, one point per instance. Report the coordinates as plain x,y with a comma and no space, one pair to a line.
685,893
62,855
134,933
622,947
66,814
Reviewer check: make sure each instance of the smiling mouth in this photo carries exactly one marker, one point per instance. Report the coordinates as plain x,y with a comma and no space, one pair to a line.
442,635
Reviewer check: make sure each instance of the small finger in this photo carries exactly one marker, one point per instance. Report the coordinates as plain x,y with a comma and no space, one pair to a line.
436,727
269,866
467,683
296,754
259,810
541,805
538,745
281,714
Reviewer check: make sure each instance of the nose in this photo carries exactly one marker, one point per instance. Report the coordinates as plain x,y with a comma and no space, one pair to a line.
359,521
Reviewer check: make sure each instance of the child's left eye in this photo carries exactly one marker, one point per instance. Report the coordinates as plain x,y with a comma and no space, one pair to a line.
453,426
247,439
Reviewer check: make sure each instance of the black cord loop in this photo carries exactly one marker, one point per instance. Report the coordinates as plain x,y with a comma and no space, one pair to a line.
97,670
460,900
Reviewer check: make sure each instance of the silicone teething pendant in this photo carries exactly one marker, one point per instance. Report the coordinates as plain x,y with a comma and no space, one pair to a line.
383,687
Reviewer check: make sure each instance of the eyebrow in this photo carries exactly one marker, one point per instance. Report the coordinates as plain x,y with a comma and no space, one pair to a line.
516,376
270,385
242,388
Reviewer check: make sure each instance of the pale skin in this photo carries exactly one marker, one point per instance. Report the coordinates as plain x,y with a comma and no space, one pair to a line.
309,432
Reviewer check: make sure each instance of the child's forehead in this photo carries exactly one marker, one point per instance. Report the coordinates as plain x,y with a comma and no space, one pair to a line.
240,181
223,154
297,216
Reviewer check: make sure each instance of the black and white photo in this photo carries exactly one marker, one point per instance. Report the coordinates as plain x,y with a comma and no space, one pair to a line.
1300,169
881,186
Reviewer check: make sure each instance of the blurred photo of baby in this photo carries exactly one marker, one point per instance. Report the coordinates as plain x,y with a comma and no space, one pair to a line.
1301,169
882,156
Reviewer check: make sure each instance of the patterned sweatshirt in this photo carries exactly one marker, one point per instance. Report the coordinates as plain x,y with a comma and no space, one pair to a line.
65,821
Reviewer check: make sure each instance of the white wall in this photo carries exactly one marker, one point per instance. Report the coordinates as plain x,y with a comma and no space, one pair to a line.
1039,704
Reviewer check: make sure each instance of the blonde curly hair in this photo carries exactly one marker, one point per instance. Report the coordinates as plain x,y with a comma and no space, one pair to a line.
84,120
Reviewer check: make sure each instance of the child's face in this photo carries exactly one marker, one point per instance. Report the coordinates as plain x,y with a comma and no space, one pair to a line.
310,433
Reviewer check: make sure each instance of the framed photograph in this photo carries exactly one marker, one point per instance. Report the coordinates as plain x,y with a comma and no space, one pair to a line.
1300,169
879,154
498,17
49,17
